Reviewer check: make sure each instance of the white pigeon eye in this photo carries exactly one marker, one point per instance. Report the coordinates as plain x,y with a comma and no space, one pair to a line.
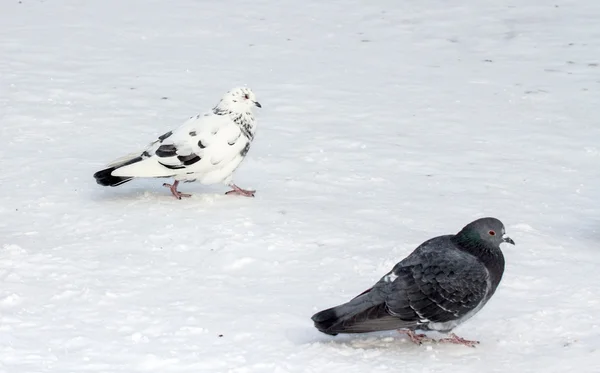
246,96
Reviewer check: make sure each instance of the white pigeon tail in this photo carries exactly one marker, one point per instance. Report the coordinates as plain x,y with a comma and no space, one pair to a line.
206,148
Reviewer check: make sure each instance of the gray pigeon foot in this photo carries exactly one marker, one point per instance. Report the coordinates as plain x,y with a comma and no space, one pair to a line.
417,339
458,340
177,194
240,191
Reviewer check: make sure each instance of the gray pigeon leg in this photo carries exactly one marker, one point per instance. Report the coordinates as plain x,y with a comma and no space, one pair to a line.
458,340
174,190
240,191
414,337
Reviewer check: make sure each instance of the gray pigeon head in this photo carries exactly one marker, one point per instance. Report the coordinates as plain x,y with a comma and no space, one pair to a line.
488,231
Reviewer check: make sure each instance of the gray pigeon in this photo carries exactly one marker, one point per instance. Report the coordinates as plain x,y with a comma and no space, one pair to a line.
441,284
206,148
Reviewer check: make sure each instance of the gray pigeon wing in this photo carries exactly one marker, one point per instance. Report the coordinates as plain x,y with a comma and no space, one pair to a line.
437,283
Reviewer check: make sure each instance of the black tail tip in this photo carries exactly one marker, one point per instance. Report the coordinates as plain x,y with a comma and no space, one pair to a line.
324,320
324,315
104,178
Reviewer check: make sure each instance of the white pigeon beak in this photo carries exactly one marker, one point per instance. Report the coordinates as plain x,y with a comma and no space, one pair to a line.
507,239
256,103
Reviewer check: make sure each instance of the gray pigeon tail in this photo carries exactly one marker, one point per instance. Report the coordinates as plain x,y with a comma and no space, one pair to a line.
357,316
441,284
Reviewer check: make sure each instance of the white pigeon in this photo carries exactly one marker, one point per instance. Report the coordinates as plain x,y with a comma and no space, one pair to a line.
206,148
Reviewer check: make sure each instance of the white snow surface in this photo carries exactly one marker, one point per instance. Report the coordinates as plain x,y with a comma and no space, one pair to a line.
384,123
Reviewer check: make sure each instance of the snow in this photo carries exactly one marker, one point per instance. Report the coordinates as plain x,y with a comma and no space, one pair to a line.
384,123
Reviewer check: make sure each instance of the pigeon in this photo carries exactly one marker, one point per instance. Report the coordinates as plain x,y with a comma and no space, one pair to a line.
207,148
441,284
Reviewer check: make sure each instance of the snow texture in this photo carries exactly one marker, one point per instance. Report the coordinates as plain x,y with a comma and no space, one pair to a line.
383,123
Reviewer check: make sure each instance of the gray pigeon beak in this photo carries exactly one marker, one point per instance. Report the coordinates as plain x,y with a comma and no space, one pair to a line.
507,239
257,104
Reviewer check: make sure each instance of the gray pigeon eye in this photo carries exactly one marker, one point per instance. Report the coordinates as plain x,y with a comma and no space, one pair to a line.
492,233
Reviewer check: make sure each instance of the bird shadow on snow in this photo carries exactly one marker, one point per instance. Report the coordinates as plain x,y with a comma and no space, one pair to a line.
392,341
139,195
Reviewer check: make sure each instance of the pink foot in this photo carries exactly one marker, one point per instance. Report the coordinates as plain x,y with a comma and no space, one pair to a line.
240,191
458,340
414,337
177,194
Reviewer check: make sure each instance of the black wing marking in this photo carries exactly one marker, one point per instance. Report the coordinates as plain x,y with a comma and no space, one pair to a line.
170,151
166,150
189,159
165,136
172,167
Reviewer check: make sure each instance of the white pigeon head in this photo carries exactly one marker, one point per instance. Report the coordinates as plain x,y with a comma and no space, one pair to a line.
238,100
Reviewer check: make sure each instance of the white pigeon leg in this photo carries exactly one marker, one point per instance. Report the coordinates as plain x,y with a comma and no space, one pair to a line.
458,340
177,194
240,191
414,337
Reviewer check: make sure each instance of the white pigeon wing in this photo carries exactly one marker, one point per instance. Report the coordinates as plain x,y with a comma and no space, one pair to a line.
222,154
207,148
151,165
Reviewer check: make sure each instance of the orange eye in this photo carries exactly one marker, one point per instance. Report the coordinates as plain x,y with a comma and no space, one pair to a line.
492,233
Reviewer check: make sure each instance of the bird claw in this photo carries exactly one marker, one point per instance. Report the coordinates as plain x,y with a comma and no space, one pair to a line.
239,191
458,340
177,194
248,193
417,339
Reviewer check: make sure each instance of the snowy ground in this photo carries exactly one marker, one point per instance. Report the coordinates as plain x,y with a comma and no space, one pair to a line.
384,123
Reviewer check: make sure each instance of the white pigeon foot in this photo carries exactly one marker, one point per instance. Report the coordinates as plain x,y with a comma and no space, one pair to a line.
458,340
240,191
417,339
177,194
